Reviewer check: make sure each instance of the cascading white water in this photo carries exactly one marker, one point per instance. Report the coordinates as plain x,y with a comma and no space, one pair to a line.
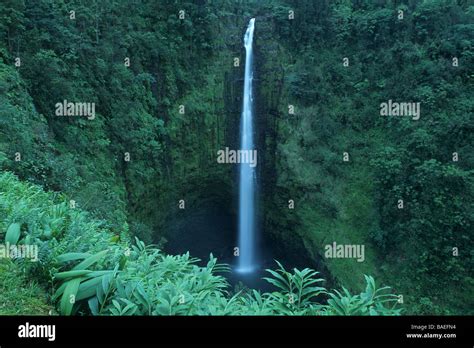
247,172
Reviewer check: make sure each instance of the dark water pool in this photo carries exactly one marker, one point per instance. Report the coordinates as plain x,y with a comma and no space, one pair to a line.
213,230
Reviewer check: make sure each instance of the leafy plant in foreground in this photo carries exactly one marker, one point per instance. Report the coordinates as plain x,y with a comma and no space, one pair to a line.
98,275
297,289
370,302
81,283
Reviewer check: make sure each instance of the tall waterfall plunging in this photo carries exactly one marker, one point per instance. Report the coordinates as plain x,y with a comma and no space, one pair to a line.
247,172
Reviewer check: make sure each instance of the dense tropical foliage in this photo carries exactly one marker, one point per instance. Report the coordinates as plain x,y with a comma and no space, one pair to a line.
89,270
107,209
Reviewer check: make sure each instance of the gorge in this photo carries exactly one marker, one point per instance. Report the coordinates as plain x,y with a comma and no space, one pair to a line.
145,165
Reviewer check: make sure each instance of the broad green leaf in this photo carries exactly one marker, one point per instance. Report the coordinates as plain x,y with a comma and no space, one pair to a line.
69,296
13,234
72,257
59,291
90,260
88,288
94,305
70,274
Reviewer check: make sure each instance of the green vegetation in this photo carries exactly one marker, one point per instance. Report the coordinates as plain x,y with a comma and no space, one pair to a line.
19,294
389,158
47,57
89,271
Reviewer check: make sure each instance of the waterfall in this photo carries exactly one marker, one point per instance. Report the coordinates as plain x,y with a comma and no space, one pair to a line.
247,172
